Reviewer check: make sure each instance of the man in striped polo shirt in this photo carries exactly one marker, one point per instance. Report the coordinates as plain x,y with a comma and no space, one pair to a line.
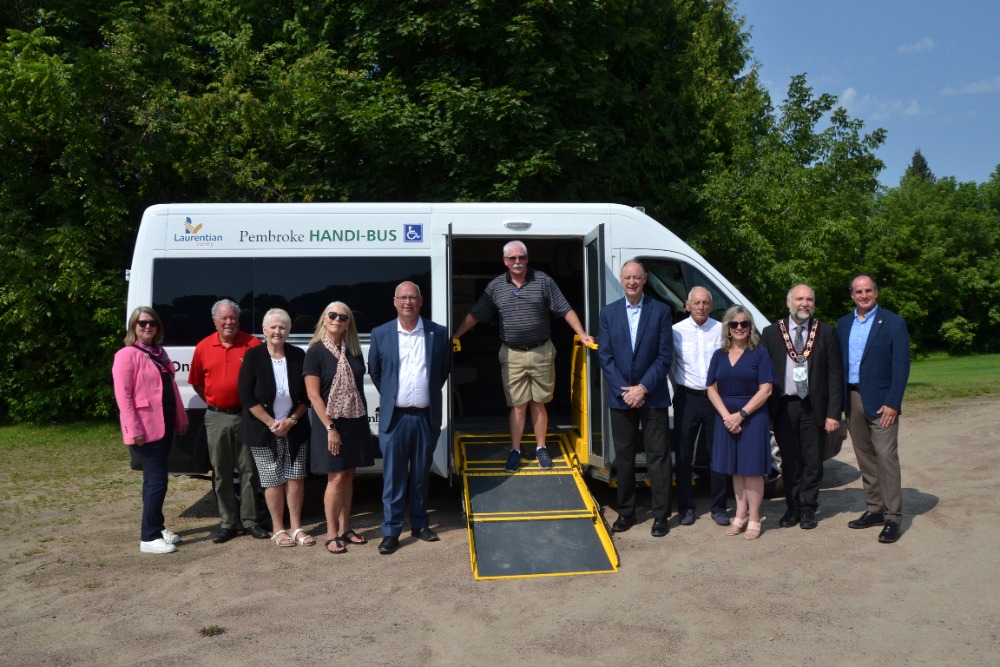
525,299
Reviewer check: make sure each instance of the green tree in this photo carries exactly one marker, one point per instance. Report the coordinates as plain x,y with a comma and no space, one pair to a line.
793,201
919,167
106,108
938,257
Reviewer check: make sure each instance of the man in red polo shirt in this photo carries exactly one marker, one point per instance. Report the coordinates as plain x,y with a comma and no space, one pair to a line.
214,375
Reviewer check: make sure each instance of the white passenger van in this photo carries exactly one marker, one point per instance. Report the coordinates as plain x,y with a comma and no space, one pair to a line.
300,257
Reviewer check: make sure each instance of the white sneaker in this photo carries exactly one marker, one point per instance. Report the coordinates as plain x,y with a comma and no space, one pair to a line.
156,547
169,537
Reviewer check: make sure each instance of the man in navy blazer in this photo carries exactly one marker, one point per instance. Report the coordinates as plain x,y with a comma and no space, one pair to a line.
635,350
409,360
876,351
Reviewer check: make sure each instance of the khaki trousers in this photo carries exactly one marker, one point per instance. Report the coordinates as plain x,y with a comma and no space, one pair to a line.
877,450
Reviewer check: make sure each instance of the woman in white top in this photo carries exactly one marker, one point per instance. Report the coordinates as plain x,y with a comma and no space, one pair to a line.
273,396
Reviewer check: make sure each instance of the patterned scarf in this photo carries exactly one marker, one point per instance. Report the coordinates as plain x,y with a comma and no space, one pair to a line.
344,400
157,355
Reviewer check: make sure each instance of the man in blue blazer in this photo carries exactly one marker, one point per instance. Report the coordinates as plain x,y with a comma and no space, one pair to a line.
875,347
635,350
409,360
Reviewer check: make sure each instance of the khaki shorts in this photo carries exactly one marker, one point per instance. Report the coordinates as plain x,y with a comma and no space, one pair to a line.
530,375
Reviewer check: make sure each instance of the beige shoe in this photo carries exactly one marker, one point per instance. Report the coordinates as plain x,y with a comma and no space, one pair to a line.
737,527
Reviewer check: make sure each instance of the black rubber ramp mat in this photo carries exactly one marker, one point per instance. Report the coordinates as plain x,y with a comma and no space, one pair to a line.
537,493
538,548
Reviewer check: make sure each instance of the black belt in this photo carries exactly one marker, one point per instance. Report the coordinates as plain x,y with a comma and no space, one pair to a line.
224,411
410,411
854,387
689,390
525,348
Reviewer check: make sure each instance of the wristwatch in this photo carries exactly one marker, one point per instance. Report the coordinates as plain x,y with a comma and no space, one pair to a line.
329,427
743,413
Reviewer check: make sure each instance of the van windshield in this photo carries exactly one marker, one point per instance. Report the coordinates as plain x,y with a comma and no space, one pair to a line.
184,290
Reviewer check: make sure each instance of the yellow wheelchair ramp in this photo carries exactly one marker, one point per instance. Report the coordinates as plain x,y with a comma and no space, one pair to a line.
532,523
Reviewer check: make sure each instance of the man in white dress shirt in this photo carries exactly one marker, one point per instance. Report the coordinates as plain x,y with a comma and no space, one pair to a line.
695,341
409,359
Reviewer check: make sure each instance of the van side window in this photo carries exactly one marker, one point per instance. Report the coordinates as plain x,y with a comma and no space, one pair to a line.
670,281
184,290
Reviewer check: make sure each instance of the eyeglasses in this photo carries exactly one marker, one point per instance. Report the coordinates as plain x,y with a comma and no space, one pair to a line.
743,324
146,323
517,258
343,317
406,298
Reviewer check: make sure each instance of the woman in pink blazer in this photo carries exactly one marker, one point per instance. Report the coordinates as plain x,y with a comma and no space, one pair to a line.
151,411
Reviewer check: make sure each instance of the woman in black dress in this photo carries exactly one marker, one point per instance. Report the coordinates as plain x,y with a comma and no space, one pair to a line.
341,439
740,377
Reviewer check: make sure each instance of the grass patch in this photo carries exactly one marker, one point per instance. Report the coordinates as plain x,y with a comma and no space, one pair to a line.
211,630
939,376
51,473
63,451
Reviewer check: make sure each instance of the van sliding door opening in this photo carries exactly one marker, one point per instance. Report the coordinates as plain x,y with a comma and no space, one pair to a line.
479,398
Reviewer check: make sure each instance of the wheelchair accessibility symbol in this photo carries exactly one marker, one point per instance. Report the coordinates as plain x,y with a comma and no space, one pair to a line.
413,233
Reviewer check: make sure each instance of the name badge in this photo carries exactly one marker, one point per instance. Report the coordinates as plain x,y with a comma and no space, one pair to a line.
799,372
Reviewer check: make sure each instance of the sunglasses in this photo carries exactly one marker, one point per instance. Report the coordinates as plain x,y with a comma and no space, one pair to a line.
517,258
739,324
145,323
343,317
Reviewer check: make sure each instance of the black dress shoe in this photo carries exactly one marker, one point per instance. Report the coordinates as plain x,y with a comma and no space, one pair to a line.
660,528
224,535
789,519
867,520
388,545
425,534
622,523
808,520
890,533
257,532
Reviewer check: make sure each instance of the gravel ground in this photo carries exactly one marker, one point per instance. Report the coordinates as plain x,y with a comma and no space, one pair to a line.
76,590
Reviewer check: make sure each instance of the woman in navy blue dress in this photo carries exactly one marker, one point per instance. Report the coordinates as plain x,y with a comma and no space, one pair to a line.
740,377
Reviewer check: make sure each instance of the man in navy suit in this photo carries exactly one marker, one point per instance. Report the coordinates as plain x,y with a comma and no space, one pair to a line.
876,351
409,360
635,350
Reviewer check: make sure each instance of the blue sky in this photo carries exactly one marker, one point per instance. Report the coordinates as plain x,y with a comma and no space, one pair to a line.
926,72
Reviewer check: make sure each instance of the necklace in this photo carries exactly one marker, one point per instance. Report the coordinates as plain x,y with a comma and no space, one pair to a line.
280,376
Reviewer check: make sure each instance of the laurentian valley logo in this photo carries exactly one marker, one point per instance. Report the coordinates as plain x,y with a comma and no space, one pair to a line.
190,227
191,235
